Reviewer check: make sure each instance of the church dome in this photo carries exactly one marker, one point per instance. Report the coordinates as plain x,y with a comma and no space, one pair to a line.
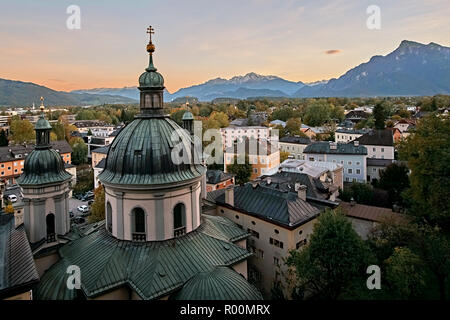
43,165
150,78
188,116
221,283
141,154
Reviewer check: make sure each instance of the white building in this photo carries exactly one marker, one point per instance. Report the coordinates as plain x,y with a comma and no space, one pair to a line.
379,144
232,133
294,146
347,135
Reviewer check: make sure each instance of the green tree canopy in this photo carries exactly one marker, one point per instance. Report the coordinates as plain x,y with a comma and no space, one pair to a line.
379,115
394,179
98,207
335,256
4,142
79,151
22,131
243,171
428,154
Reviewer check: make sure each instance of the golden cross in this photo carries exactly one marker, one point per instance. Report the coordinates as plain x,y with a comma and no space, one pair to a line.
150,31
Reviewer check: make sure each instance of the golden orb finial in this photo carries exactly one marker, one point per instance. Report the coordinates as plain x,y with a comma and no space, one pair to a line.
42,104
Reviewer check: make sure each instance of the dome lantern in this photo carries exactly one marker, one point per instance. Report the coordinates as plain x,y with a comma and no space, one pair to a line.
151,85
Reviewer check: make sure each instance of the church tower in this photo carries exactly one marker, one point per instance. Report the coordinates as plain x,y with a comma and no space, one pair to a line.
45,187
149,195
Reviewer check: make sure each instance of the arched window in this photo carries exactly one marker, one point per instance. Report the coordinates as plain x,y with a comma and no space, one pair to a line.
50,222
156,102
139,233
179,220
109,217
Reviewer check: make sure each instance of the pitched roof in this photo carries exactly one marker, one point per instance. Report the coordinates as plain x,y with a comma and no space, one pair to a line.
101,164
17,268
357,114
284,208
285,181
17,152
295,140
102,150
321,147
152,269
370,213
217,176
383,137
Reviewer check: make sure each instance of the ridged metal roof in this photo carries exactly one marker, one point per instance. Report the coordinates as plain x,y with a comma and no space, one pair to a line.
43,166
221,283
152,269
17,266
282,207
141,154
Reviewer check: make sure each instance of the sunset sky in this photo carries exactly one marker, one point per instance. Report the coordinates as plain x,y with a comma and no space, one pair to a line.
198,40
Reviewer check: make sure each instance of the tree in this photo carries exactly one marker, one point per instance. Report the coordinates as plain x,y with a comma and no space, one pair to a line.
79,151
22,131
89,133
221,118
428,154
335,256
242,171
9,209
3,139
394,179
317,113
404,274
360,192
379,115
283,155
98,206
293,127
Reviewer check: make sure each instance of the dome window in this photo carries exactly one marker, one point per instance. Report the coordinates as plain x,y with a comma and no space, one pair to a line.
179,220
109,217
139,234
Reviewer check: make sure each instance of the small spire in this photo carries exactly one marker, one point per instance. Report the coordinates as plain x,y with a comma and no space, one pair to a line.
42,104
150,49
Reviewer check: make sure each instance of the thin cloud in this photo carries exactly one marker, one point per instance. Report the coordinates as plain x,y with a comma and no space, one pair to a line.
332,51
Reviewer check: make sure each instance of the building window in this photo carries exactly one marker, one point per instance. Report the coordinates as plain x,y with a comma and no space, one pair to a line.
374,149
311,159
300,244
350,171
374,169
382,149
276,261
109,217
3,165
50,222
253,222
358,163
358,171
179,220
276,243
259,254
237,217
15,170
276,231
349,163
139,233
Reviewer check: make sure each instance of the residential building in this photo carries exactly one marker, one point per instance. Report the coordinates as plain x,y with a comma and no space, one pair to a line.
365,218
278,221
347,135
238,133
404,124
397,134
264,156
356,116
294,146
98,168
351,155
324,171
375,166
379,144
12,159
97,128
217,179
98,155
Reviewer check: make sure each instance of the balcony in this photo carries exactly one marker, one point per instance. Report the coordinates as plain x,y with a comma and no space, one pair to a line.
178,232
51,237
139,236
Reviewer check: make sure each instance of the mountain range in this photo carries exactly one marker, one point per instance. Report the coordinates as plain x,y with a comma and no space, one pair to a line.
18,93
410,70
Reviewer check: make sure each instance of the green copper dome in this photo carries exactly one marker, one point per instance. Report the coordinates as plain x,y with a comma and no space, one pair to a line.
42,123
221,283
188,116
141,154
150,78
43,166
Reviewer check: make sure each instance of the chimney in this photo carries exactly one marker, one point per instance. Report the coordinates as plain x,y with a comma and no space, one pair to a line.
269,180
333,146
301,191
229,196
356,143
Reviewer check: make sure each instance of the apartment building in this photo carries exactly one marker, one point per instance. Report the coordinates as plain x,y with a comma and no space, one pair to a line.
379,144
237,133
294,146
348,135
351,155
216,179
278,221
264,156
